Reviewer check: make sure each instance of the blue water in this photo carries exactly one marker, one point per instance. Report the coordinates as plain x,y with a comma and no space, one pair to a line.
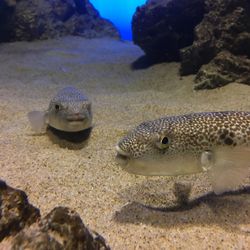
119,12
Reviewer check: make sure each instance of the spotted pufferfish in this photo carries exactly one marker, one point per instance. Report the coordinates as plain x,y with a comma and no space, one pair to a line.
215,142
69,111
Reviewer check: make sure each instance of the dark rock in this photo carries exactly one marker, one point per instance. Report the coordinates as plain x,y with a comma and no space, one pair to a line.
161,28
15,211
225,26
223,69
61,229
222,40
211,38
7,10
42,19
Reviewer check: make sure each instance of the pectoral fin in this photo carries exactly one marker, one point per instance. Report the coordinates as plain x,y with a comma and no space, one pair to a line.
38,121
229,169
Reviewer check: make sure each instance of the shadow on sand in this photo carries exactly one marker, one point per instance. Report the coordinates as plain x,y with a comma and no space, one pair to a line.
144,62
70,140
228,211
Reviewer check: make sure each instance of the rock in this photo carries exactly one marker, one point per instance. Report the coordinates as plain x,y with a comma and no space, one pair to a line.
162,27
223,69
222,45
211,38
42,19
62,229
15,211
6,11
21,226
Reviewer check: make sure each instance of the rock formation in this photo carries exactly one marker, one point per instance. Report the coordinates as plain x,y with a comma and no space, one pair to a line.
21,226
42,19
224,68
15,211
162,27
220,53
211,38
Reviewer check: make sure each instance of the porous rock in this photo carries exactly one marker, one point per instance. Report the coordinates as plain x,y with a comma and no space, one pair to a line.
15,211
21,226
211,38
61,229
42,19
222,45
162,27
223,69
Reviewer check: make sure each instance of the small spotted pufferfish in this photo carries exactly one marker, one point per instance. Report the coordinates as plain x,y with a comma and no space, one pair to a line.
68,111
216,142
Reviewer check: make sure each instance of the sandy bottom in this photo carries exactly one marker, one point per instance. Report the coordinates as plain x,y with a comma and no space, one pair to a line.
124,208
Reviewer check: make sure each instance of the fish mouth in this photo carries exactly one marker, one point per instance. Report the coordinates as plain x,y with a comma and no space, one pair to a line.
122,157
76,118
77,123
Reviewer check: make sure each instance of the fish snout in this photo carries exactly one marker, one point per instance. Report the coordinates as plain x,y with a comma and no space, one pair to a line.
122,157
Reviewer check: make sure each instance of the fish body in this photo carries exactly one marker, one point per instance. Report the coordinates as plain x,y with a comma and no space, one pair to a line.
69,111
217,142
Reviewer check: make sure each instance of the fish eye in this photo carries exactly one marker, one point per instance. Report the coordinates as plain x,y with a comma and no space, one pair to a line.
57,107
162,142
165,140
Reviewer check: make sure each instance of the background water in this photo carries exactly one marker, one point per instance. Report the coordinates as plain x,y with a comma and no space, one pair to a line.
119,12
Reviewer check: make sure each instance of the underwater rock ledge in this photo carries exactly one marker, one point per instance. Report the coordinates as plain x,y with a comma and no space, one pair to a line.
21,226
162,28
223,69
216,45
31,20
220,53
